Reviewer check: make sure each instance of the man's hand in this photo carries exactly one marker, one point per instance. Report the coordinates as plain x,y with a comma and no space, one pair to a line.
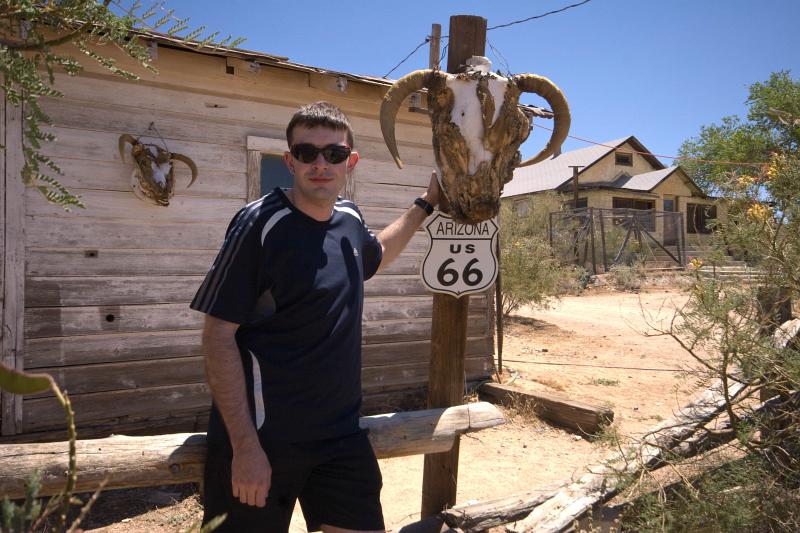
432,194
251,475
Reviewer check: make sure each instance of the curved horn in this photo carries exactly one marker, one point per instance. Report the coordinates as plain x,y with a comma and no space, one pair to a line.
391,103
125,138
189,163
531,83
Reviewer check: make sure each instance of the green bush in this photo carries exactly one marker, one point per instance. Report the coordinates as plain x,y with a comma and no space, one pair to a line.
742,496
728,328
529,272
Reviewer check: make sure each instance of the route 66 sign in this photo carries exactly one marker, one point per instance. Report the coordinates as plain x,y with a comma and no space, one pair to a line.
461,257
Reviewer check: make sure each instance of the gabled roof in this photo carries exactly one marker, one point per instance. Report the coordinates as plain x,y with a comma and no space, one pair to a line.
555,171
643,182
648,181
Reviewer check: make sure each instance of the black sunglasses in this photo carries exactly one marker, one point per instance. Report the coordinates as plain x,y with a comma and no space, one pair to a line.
333,153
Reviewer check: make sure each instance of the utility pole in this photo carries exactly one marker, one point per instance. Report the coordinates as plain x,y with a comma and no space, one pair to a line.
575,169
449,324
436,39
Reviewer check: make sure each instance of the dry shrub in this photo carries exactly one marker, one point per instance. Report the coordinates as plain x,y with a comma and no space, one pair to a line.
626,277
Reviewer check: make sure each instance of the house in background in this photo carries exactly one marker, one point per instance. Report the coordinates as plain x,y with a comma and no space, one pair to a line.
621,174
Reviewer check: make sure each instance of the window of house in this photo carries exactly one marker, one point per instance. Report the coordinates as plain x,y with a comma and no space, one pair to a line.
274,173
632,203
624,159
521,206
699,217
582,202
669,205
647,220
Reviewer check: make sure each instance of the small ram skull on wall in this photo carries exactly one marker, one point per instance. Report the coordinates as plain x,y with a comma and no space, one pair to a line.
477,130
153,179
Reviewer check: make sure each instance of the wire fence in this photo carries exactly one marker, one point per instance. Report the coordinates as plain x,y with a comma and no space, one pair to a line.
600,238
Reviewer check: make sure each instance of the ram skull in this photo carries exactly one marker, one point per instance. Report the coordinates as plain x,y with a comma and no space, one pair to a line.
153,179
477,130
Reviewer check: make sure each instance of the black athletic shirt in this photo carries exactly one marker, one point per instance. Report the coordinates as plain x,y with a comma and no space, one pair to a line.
295,286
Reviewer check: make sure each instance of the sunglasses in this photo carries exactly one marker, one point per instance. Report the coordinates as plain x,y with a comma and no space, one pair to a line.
333,153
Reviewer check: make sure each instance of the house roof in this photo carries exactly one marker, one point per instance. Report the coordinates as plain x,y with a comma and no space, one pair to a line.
555,172
648,181
262,58
253,56
643,182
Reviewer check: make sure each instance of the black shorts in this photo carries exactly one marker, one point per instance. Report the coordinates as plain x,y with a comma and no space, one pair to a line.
337,481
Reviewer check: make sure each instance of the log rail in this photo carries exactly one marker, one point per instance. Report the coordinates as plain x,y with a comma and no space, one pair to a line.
128,462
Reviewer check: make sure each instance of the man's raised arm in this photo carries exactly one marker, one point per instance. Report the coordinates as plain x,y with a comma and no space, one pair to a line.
396,235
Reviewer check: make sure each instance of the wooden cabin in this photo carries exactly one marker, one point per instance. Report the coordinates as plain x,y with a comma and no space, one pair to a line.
98,297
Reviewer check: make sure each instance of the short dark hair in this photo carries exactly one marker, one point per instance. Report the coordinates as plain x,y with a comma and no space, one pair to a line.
320,115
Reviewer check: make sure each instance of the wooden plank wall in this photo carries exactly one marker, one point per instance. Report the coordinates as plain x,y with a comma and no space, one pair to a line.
107,288
13,257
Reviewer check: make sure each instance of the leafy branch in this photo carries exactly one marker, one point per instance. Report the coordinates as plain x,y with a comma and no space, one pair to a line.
30,33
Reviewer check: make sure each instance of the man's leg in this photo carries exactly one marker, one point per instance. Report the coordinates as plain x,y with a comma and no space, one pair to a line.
344,488
288,478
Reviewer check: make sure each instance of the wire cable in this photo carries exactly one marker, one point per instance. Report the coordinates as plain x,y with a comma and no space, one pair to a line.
501,57
420,45
538,16
675,157
444,52
595,366
427,39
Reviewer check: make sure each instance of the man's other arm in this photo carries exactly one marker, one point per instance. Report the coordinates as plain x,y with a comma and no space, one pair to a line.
250,471
396,235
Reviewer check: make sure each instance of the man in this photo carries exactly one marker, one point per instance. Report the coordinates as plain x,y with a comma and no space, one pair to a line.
282,339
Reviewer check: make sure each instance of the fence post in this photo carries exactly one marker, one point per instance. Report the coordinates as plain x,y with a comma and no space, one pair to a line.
591,228
603,241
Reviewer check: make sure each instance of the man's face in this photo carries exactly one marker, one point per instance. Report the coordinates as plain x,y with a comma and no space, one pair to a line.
319,182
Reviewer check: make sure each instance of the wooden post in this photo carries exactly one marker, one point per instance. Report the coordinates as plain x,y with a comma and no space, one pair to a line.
3,397
253,175
449,324
603,240
498,296
575,169
13,268
436,40
591,228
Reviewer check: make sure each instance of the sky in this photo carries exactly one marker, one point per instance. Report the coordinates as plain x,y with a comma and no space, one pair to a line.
656,69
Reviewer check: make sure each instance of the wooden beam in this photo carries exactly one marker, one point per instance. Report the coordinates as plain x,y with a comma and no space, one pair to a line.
3,397
556,409
13,264
179,458
603,480
253,175
449,324
481,516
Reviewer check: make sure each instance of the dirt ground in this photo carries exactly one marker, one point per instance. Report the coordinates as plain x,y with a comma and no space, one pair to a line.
589,347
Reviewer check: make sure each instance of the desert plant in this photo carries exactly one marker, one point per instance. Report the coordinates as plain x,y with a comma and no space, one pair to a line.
732,330
29,516
627,277
739,496
530,273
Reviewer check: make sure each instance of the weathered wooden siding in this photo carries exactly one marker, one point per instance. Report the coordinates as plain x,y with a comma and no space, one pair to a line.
107,288
12,265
